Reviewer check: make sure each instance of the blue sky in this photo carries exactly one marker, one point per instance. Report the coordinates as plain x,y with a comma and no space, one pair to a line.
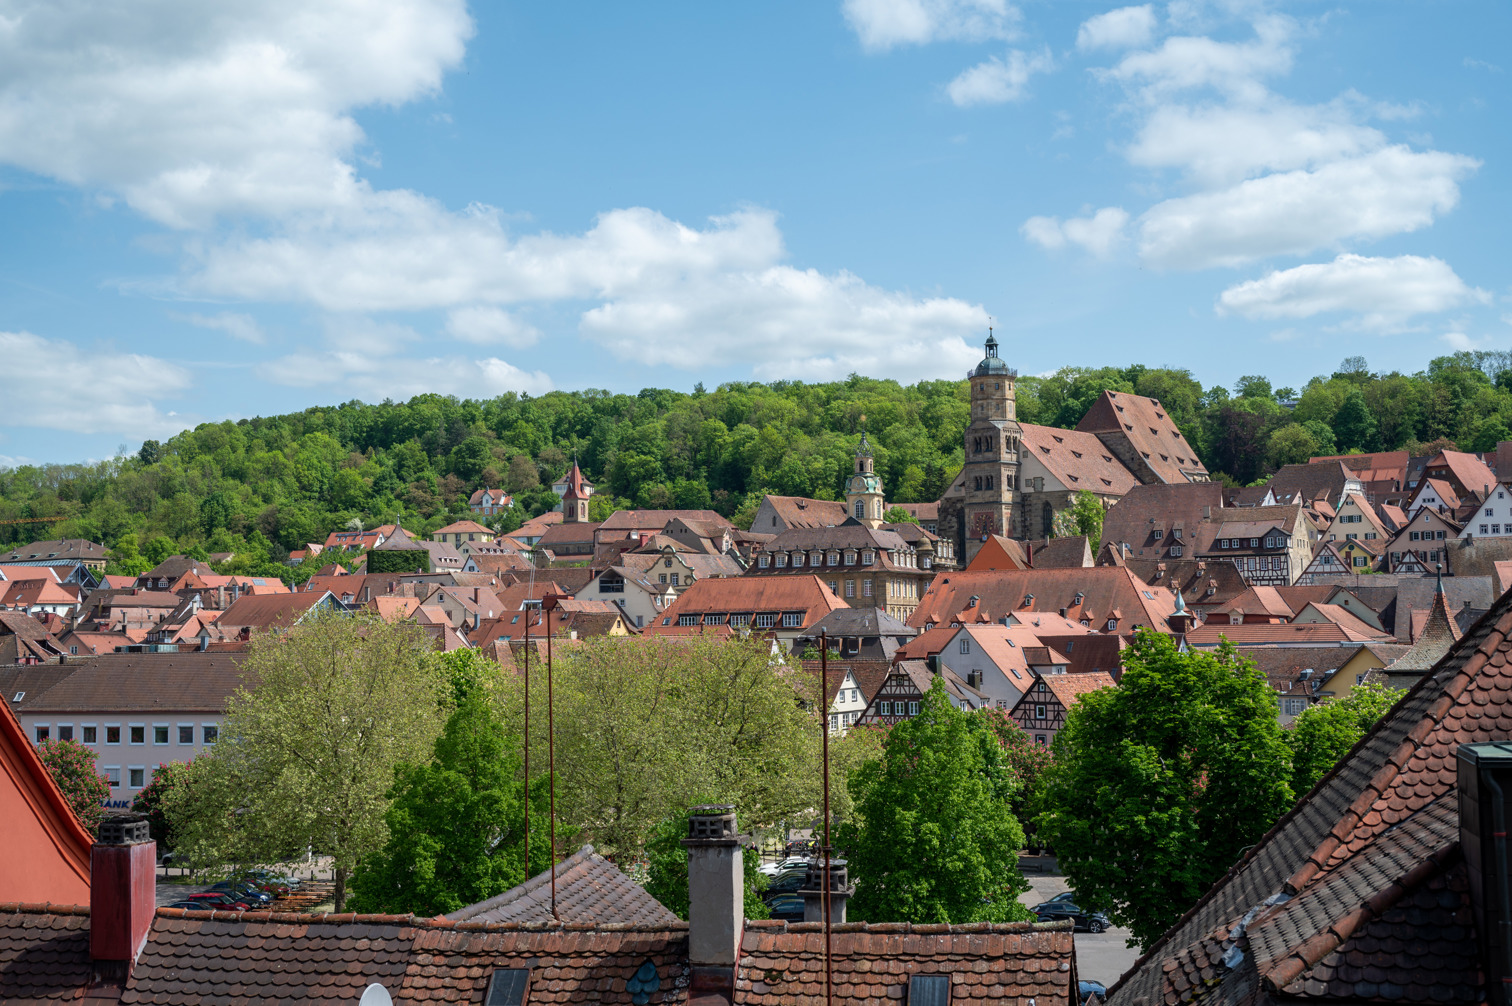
218,213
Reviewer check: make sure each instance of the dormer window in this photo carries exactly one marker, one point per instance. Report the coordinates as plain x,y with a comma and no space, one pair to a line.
781,560
850,558
1112,624
761,562
797,558
868,557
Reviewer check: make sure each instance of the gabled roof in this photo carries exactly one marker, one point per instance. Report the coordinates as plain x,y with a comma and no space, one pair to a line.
1146,425
1467,471
589,889
1443,490
59,549
1078,459
267,611
1067,688
861,622
1371,859
1439,633
1103,591
1182,505
1282,634
798,511
1069,552
869,676
1259,601
998,552
47,850
399,541
141,682
464,527
1375,467
806,594
644,520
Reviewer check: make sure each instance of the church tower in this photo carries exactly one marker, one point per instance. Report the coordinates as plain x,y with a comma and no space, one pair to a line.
863,491
990,474
575,499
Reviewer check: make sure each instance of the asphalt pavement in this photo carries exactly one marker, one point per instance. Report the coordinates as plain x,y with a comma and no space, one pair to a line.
1100,957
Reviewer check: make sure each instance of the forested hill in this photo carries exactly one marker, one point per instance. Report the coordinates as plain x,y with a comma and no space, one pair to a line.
259,487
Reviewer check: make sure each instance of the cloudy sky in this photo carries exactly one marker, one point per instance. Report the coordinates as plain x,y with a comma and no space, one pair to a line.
223,210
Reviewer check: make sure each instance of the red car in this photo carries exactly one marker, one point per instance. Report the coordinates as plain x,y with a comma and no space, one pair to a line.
218,900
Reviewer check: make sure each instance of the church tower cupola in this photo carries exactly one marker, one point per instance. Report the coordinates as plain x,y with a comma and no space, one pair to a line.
863,490
990,474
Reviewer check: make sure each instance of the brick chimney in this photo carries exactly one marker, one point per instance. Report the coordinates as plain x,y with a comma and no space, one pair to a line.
813,891
122,895
716,902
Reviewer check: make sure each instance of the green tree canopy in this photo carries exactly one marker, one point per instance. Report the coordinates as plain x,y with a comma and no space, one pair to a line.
309,749
1326,732
935,839
456,824
1158,784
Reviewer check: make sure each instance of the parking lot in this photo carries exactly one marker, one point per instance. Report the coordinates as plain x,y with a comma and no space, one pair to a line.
1100,957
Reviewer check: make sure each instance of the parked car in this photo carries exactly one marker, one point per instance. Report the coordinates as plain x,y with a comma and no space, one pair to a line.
193,906
787,907
783,865
250,893
1092,993
1092,922
219,900
261,876
1059,899
787,883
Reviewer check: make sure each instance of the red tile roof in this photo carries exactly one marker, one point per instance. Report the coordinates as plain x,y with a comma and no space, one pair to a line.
747,594
1104,590
1284,634
1077,459
1144,423
1380,907
1067,688
589,889
241,959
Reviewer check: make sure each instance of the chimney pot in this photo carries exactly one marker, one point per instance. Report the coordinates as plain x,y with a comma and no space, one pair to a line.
813,891
716,896
122,895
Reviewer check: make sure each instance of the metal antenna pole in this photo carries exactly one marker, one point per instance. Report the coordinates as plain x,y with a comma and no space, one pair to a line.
527,742
551,755
824,720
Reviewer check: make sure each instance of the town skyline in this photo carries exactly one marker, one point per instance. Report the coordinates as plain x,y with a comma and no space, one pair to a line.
515,199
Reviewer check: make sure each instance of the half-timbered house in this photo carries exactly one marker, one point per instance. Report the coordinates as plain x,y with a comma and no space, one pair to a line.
1042,711
902,692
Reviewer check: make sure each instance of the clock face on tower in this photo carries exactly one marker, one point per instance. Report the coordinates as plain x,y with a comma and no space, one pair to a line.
864,484
983,524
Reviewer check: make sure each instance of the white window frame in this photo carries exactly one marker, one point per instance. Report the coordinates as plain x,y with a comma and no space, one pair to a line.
781,560
165,727
89,726
112,743
965,645
60,727
181,728
136,768
133,726
41,732
762,563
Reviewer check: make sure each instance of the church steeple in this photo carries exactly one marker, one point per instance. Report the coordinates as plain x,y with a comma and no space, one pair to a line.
575,499
990,474
863,491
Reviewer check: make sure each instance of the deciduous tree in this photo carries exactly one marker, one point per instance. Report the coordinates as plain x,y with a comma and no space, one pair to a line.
72,767
1159,783
1324,733
934,839
308,749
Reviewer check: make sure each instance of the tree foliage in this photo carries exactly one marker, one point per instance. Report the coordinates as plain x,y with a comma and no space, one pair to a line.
934,839
456,824
1326,732
72,767
1157,785
260,487
645,727
309,748
153,800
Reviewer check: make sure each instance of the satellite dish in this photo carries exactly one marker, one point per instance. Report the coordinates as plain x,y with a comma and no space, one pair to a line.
375,995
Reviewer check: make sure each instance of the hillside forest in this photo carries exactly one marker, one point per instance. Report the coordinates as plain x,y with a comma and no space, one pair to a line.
261,487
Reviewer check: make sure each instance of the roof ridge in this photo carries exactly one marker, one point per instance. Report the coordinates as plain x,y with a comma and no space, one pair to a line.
416,921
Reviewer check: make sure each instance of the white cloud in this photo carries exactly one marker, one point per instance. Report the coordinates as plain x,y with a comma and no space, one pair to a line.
238,326
121,388
1187,62
489,325
375,378
1097,233
787,322
1124,28
1390,191
996,81
883,24
1222,144
188,110
1383,292
1462,343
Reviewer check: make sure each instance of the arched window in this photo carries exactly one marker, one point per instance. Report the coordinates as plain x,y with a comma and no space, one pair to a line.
860,508
979,482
